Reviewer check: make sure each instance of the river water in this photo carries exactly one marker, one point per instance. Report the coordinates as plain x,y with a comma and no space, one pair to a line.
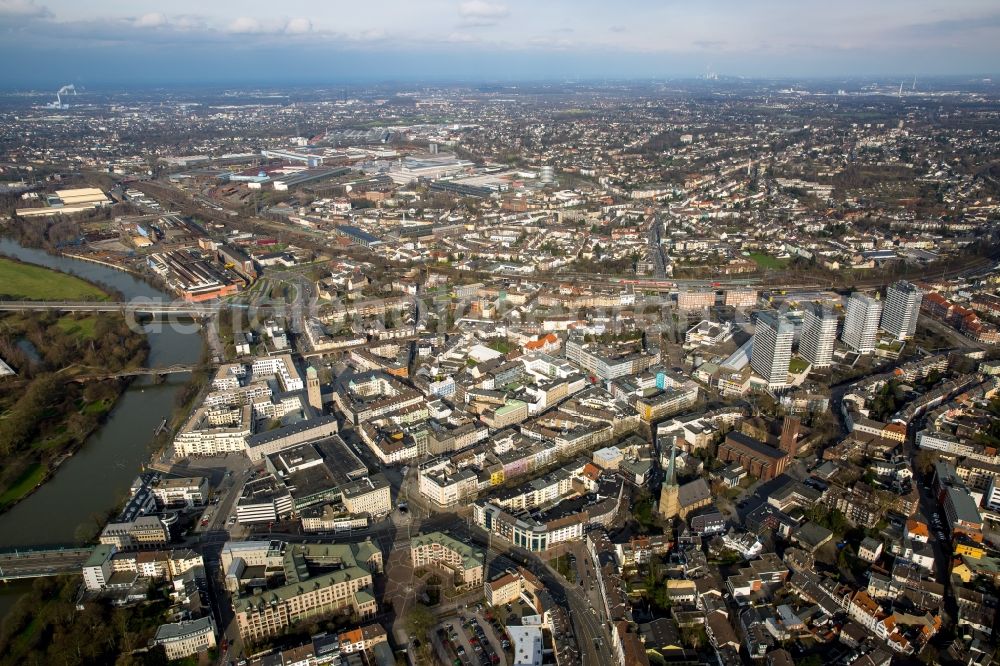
97,477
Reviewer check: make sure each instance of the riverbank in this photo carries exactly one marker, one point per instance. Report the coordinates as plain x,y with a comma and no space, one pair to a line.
117,267
47,414
39,472
73,252
96,477
19,280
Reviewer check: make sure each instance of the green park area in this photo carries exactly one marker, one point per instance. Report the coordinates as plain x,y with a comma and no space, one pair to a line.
30,282
43,416
797,365
78,326
766,261
23,484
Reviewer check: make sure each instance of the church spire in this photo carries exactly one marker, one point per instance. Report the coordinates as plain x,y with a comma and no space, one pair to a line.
671,476
669,505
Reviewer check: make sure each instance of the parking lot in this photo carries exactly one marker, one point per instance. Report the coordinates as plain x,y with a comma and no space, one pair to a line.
471,640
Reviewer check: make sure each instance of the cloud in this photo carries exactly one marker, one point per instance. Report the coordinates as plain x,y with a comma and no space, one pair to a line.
955,27
188,22
151,20
481,9
373,35
23,9
461,38
298,26
709,44
549,42
478,13
245,25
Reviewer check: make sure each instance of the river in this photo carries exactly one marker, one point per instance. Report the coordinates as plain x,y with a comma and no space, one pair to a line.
98,476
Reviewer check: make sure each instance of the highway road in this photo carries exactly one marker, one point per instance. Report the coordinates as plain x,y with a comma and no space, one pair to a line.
656,249
143,305
593,638
35,563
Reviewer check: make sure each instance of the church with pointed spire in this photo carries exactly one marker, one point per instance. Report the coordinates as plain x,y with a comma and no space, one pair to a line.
669,505
677,500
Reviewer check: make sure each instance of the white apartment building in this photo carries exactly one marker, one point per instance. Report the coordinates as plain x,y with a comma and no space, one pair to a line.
991,500
444,486
201,437
370,495
902,306
861,323
182,639
771,351
819,332
439,549
283,367
97,569
605,363
188,491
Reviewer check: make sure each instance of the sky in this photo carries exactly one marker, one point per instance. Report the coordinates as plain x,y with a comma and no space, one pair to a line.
46,42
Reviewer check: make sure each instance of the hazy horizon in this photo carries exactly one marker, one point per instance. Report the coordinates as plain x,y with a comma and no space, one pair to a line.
49,42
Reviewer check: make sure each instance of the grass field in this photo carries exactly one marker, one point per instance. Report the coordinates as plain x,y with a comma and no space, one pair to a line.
83,327
24,484
767,261
97,407
797,365
36,283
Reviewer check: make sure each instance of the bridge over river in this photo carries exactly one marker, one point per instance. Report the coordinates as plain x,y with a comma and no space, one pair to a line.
27,563
176,368
139,305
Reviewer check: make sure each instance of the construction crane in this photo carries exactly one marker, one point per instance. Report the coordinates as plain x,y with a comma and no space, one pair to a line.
58,104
